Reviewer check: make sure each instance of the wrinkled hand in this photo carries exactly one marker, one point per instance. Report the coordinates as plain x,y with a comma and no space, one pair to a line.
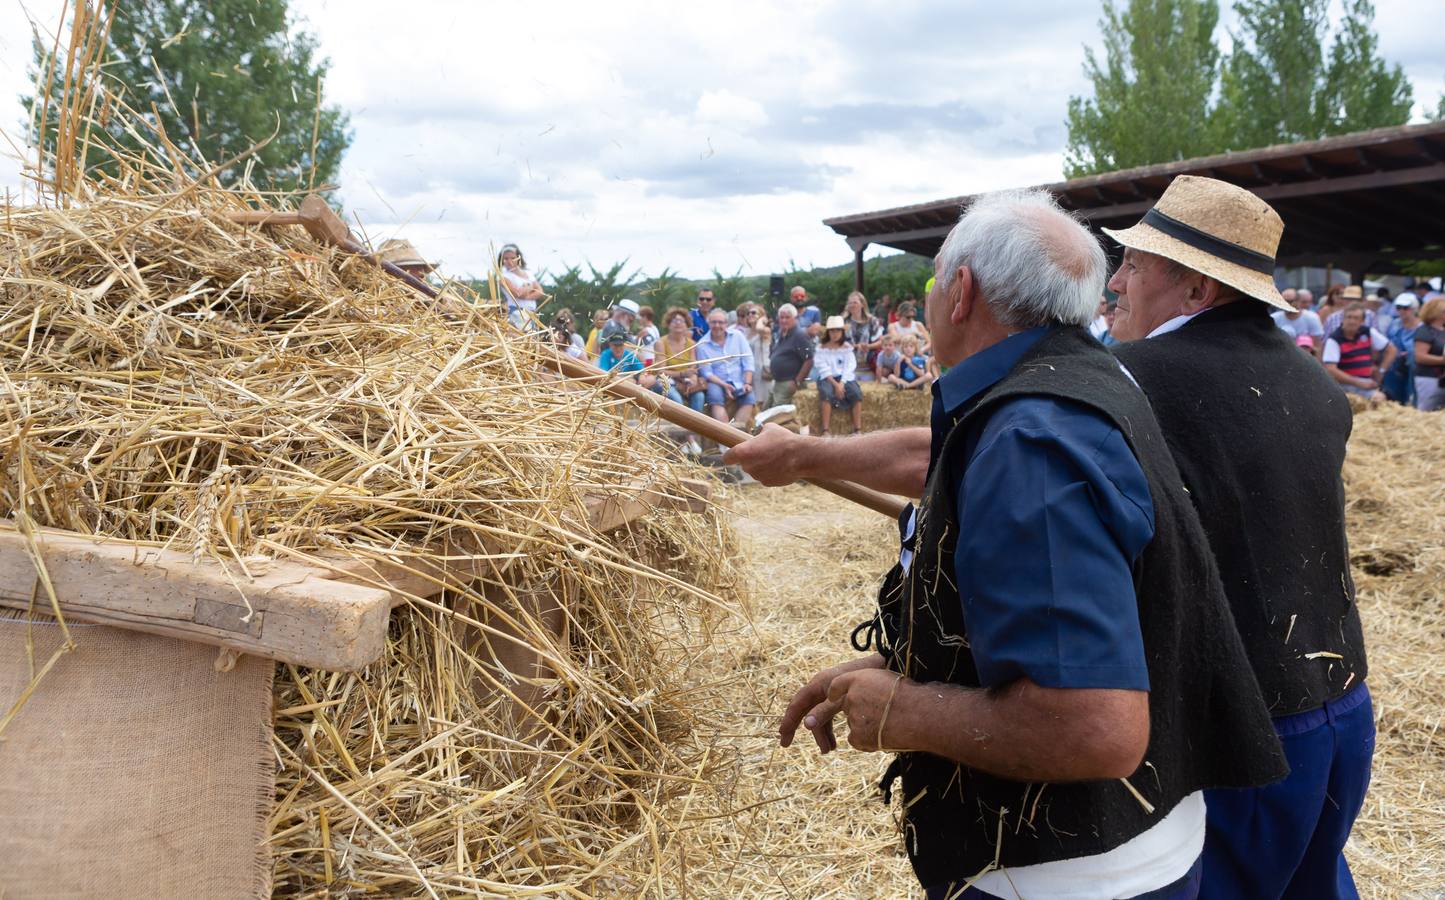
812,707
770,457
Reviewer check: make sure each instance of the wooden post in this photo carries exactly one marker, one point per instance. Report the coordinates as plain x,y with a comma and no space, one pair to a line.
858,245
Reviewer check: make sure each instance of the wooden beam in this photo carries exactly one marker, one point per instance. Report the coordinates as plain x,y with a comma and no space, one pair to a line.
286,612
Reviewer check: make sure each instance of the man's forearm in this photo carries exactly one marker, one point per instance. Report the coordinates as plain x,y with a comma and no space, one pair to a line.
895,462
1023,732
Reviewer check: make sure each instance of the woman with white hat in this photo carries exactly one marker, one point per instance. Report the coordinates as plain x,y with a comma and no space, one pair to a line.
837,370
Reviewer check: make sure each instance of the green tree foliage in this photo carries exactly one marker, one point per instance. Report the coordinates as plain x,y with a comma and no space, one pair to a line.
1163,93
218,77
664,289
1152,90
733,290
1360,90
1269,89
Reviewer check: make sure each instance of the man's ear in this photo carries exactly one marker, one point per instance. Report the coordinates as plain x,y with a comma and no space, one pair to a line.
1203,294
967,289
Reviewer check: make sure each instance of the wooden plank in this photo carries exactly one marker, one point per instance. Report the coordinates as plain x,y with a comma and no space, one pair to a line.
618,510
288,612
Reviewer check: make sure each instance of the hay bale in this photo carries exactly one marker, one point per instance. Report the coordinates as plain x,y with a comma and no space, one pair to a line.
884,407
247,394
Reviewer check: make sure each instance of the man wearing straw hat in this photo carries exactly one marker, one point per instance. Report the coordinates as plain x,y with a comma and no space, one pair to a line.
404,255
1259,431
1058,671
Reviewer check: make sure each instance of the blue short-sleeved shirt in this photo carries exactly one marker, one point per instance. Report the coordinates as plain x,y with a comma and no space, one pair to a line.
626,362
1054,511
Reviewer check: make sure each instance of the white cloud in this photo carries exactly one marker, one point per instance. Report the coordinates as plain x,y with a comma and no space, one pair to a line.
690,136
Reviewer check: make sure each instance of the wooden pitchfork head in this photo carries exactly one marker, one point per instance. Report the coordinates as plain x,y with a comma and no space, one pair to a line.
314,214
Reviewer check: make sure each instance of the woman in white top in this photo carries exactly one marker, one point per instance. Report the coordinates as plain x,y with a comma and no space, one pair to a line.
520,289
908,327
837,370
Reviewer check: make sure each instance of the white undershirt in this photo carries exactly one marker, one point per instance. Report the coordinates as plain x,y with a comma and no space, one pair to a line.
1151,860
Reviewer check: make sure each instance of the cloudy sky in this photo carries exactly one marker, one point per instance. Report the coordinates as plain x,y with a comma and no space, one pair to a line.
692,136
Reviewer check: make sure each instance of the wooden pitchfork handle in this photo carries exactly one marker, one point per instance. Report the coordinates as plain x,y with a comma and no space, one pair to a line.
322,223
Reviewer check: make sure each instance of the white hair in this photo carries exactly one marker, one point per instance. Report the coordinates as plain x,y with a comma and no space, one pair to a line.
1034,263
788,308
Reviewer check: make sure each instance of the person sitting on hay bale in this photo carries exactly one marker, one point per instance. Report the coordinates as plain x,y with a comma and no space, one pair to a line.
837,366
726,364
885,367
913,367
618,357
1058,670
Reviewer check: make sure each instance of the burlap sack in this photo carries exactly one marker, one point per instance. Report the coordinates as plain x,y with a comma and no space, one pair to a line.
134,770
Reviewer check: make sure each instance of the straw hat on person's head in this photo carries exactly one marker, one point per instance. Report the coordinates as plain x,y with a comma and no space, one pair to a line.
400,252
836,322
628,306
1352,292
1216,229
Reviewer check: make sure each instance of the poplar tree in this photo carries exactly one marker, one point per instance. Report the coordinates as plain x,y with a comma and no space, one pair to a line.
219,77
1360,89
1151,90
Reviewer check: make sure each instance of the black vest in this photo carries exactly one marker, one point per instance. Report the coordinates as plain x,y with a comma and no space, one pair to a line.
1208,724
1258,430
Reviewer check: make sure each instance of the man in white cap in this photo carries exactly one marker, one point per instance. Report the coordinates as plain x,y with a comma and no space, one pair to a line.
623,315
1237,401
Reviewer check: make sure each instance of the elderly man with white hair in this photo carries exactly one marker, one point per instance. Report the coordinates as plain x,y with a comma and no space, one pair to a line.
1056,668
790,360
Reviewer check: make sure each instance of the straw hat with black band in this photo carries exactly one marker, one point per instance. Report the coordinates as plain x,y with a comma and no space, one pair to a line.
1215,229
401,252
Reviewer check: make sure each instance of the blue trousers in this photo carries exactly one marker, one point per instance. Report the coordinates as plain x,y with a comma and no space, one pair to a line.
1287,840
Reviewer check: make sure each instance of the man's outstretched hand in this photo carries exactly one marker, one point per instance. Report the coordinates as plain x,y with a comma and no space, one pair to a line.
771,457
813,707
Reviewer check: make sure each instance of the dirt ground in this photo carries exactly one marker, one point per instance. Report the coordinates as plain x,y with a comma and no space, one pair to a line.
789,823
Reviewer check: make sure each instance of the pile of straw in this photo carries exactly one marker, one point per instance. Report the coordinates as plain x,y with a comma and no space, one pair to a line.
167,375
1396,520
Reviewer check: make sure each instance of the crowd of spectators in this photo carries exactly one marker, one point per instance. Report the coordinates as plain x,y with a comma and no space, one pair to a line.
1374,346
734,363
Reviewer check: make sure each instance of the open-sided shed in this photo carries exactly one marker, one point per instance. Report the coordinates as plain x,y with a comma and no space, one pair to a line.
1359,202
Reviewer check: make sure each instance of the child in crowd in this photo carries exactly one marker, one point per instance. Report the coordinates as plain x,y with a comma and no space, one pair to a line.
885,367
837,369
616,357
913,369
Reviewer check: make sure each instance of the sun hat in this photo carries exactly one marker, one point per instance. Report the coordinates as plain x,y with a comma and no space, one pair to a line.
835,322
629,305
1352,292
400,252
1216,229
